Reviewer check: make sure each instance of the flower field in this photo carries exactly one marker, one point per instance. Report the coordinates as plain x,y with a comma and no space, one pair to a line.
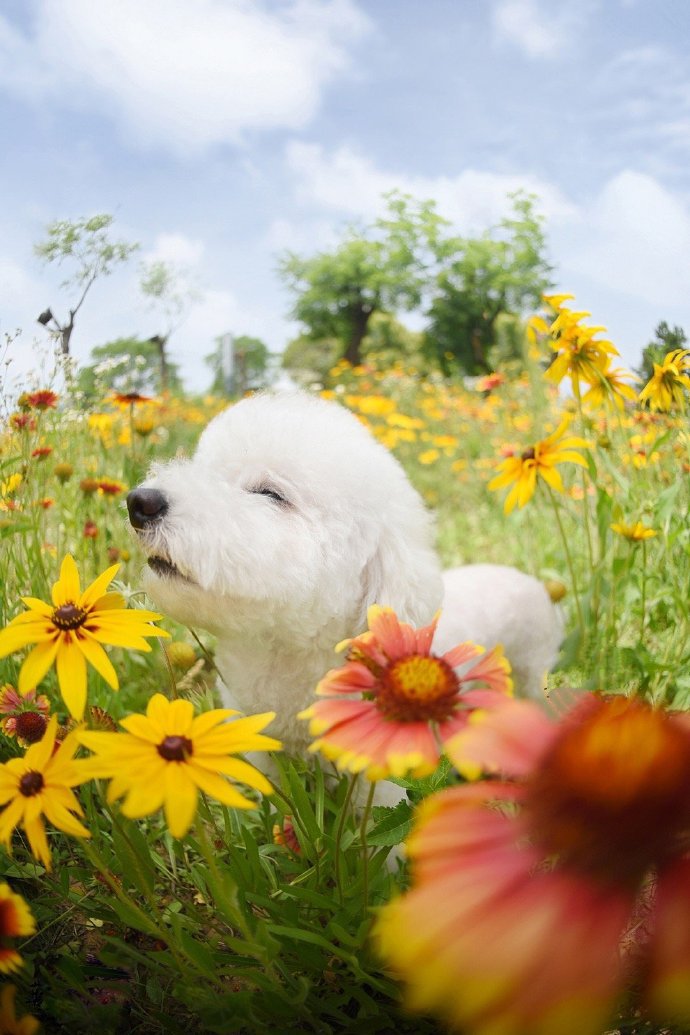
153,880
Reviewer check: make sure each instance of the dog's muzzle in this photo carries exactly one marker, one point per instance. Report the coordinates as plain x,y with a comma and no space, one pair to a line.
145,506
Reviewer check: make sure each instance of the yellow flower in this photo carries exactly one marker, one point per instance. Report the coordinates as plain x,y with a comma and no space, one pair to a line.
40,783
429,456
10,1024
15,921
540,461
636,533
610,388
665,389
168,755
71,631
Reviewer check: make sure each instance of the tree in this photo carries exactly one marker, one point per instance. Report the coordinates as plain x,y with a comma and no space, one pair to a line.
381,268
124,365
251,361
169,291
502,272
666,339
85,245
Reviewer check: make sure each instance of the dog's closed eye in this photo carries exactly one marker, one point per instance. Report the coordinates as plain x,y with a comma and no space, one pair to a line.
267,490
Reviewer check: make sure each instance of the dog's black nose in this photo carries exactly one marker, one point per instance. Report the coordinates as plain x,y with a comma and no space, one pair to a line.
145,506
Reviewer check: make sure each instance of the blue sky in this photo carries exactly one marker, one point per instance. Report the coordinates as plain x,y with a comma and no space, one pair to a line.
221,132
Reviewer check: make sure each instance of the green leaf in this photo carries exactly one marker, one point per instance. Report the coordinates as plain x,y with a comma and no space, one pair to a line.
393,825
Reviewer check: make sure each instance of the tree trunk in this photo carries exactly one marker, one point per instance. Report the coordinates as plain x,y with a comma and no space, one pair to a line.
160,341
360,322
66,334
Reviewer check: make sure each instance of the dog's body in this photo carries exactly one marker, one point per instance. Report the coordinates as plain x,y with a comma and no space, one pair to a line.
286,525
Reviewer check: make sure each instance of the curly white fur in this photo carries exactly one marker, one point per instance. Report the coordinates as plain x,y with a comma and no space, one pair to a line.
280,583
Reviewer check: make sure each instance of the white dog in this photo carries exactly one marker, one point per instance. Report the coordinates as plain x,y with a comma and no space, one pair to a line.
289,521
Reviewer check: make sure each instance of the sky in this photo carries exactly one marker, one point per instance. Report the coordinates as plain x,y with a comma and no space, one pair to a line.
221,133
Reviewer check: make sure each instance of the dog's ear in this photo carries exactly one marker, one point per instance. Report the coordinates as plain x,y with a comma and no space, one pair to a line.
404,573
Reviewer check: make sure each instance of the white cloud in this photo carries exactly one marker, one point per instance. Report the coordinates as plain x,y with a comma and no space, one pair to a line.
183,74
538,32
634,238
177,249
350,183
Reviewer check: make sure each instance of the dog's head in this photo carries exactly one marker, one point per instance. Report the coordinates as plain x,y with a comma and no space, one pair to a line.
290,514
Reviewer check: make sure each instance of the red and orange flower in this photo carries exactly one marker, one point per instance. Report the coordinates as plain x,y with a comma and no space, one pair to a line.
539,899
24,716
393,705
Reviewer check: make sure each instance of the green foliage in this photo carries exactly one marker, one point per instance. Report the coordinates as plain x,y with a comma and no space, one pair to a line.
378,268
85,247
251,371
124,365
666,339
309,360
503,272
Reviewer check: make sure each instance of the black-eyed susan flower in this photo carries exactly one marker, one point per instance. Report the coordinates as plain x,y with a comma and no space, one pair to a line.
666,388
10,1024
392,706
636,532
538,461
610,389
70,633
164,758
16,921
40,784
531,890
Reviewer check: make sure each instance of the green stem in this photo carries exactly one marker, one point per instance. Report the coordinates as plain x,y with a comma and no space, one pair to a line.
148,925
365,848
339,835
643,614
569,559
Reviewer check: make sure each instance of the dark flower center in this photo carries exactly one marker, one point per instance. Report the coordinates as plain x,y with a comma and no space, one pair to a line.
610,796
69,616
31,783
175,749
528,454
418,689
30,726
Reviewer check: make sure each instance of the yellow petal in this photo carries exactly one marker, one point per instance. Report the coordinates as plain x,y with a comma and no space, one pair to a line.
180,798
71,673
180,717
38,842
38,605
220,789
94,653
234,767
37,664
66,590
98,587
38,755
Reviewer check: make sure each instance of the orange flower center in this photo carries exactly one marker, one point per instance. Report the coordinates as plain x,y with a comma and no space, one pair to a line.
69,616
175,749
31,783
611,796
418,688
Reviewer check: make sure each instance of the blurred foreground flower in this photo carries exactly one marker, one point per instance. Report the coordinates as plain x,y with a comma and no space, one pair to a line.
666,388
539,461
41,784
403,703
168,755
10,1024
16,921
536,900
71,632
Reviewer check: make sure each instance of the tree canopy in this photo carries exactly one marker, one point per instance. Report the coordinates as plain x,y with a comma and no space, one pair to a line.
379,268
502,272
86,248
